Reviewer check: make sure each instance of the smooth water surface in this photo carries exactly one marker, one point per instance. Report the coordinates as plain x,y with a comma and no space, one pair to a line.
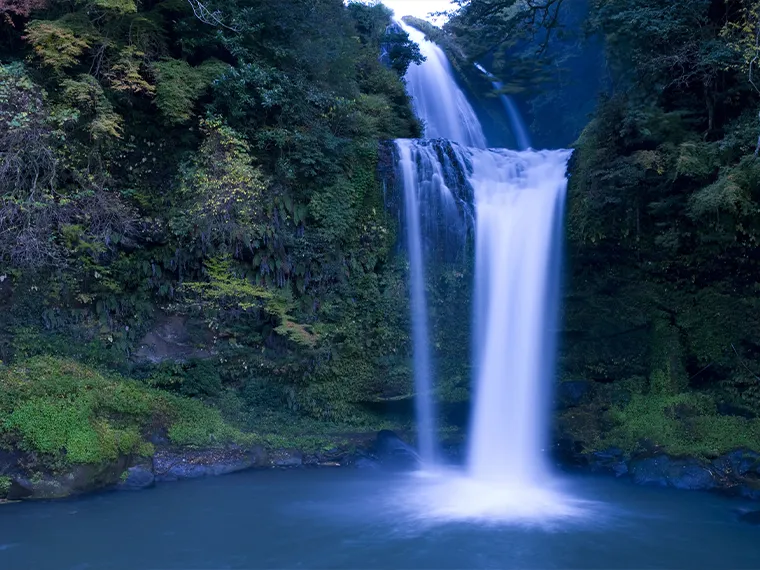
359,519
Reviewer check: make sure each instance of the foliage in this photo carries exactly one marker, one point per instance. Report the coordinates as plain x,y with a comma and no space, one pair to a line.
21,7
222,193
56,44
58,406
683,424
5,485
662,226
158,159
179,86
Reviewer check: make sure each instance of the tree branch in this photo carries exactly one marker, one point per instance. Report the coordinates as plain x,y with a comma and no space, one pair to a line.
208,17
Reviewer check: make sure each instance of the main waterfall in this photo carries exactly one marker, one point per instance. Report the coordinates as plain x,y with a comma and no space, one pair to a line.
518,199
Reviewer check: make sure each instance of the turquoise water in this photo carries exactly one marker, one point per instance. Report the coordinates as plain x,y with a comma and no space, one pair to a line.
354,519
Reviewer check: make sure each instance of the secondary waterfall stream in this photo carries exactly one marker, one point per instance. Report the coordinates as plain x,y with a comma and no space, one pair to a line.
518,201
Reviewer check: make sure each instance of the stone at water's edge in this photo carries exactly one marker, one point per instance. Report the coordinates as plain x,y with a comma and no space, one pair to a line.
666,471
171,465
32,479
138,478
77,480
737,472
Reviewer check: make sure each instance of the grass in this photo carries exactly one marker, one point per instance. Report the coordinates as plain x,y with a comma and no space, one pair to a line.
57,406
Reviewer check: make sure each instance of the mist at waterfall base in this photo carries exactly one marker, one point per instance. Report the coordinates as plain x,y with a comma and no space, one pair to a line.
517,201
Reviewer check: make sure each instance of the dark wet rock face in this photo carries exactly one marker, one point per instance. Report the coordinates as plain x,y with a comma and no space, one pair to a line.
736,472
74,481
391,451
286,458
610,460
665,471
171,465
137,478
571,393
741,462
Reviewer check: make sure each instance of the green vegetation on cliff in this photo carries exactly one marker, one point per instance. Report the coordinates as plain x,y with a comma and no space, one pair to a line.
664,229
662,313
219,166
193,231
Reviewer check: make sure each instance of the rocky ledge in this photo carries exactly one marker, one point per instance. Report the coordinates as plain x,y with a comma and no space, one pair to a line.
28,477
737,472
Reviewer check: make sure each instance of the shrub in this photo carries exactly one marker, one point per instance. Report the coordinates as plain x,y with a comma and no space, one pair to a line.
57,406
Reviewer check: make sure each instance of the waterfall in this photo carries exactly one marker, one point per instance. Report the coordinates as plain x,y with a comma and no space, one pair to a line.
436,98
519,198
516,123
434,228
517,201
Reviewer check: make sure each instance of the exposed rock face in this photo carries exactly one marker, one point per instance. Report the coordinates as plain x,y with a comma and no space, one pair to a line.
170,340
286,458
171,465
74,481
32,478
737,472
571,393
666,471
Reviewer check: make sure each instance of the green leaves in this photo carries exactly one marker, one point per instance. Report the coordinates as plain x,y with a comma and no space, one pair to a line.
56,44
179,86
120,6
86,94
222,193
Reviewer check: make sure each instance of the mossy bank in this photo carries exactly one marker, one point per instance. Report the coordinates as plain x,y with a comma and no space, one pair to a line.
66,428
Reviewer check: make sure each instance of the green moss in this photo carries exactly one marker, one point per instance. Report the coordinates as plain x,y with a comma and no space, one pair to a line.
56,406
682,424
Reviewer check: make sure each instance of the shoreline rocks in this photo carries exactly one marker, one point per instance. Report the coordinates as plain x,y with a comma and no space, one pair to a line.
33,479
735,473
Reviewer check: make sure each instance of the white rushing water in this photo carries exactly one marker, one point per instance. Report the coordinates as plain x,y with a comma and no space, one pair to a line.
518,199
437,99
516,122
416,190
